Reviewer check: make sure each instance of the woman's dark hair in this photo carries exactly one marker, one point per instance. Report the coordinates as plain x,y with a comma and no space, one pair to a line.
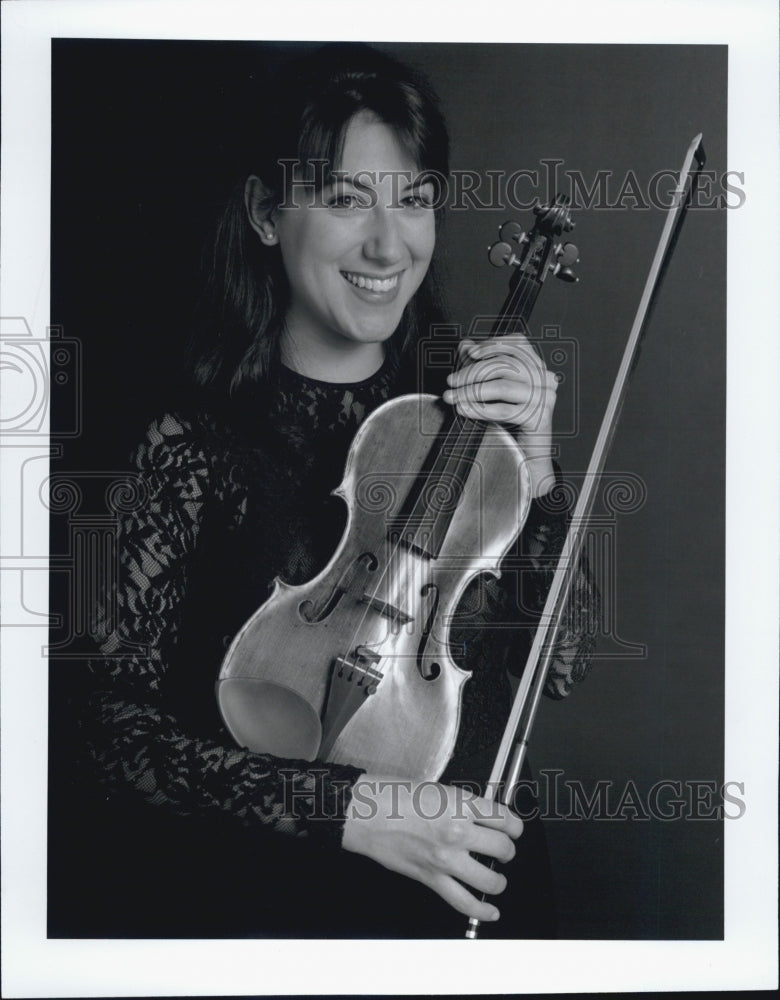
312,102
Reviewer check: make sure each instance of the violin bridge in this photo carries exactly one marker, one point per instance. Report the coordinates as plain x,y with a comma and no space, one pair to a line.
352,681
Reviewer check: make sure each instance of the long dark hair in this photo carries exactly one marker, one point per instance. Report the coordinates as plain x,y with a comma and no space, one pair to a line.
240,317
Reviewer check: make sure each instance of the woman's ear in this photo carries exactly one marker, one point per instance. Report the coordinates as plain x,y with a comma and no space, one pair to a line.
257,198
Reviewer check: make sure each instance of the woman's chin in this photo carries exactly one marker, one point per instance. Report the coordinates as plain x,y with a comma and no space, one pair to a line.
370,335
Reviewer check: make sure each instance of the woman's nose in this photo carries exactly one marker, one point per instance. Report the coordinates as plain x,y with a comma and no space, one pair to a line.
383,240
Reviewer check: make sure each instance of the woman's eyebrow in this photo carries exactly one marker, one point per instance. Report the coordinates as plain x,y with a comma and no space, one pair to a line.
365,179
342,177
418,181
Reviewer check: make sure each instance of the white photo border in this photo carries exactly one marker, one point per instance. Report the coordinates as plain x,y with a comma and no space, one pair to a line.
746,958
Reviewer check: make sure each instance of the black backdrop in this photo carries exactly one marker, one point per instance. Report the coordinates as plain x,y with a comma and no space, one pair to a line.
143,137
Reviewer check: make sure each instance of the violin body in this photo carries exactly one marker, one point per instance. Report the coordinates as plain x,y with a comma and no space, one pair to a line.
354,666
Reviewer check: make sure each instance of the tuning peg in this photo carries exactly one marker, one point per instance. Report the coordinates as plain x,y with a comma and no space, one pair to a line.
501,254
567,253
511,232
565,273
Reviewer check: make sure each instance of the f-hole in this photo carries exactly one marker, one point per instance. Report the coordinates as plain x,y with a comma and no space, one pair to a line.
428,671
352,581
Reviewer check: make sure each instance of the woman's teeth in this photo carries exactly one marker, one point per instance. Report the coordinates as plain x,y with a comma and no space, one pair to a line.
371,284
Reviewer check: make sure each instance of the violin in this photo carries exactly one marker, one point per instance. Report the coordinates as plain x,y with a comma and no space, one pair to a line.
354,666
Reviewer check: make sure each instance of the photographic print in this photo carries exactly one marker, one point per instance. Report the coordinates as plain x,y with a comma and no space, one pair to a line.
378,434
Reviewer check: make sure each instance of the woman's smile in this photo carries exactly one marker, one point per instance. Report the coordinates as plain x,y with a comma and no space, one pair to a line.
378,289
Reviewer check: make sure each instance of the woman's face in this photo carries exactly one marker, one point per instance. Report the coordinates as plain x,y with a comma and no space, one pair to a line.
355,253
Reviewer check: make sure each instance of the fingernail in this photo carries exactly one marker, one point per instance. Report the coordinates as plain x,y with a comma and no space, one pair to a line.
447,396
495,915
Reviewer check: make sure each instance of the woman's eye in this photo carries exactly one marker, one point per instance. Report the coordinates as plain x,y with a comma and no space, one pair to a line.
418,199
344,200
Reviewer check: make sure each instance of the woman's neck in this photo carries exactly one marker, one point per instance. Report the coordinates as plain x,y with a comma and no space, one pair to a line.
345,362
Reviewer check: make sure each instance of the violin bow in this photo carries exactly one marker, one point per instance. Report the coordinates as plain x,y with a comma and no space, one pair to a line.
514,744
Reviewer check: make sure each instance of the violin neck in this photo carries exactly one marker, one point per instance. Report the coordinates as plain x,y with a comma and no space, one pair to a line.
424,520
518,306
422,523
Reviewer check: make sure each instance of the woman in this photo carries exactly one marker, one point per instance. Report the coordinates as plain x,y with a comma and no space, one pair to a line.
321,287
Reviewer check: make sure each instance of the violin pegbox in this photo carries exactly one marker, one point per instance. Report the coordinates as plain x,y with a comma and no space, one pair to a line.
556,219
537,253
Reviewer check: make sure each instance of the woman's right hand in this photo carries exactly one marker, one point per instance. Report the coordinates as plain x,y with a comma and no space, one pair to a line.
428,832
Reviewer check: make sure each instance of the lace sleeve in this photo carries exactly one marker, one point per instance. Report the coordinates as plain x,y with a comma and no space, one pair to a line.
137,746
541,542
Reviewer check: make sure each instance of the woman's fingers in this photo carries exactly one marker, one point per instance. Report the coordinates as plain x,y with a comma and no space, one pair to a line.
503,390
506,344
473,872
492,815
501,386
459,897
479,876
521,370
503,380
430,832
500,405
459,871
485,373
516,348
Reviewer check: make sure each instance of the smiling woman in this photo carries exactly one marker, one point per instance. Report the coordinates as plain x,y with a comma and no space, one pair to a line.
319,292
354,256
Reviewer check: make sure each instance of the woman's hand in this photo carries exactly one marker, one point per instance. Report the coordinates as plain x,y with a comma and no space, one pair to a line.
426,831
504,380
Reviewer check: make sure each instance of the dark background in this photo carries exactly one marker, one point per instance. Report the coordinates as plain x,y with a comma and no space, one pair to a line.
143,156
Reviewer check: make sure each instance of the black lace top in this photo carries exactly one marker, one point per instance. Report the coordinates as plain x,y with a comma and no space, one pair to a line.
229,503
